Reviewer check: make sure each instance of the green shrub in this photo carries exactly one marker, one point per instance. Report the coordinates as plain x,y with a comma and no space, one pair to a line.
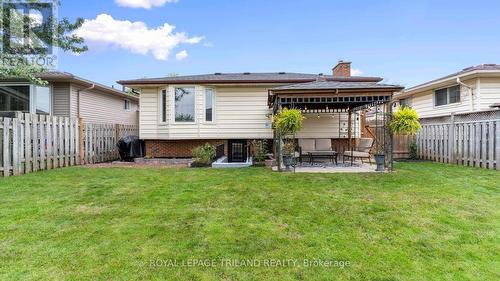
405,121
413,150
259,150
204,154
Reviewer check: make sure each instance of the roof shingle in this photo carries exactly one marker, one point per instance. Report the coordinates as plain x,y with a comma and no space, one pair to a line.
270,77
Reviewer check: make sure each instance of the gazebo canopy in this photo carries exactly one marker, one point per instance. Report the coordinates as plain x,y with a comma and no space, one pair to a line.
331,95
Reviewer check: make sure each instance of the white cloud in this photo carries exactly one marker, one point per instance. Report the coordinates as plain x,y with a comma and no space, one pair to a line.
356,72
208,44
181,55
135,37
146,4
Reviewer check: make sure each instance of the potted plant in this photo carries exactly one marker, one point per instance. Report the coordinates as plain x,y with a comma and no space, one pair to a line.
288,155
287,123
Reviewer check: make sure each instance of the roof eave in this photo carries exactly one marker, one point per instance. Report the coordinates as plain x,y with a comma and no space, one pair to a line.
433,84
261,81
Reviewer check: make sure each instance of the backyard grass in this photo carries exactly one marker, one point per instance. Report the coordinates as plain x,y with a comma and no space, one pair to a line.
424,222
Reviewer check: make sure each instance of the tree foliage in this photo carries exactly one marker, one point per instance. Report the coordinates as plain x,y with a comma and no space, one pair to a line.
405,121
57,34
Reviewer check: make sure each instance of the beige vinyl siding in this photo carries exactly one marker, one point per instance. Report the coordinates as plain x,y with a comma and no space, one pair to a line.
326,126
489,92
98,107
61,99
423,102
240,113
149,115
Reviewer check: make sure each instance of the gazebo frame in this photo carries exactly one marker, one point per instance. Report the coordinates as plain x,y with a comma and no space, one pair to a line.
337,101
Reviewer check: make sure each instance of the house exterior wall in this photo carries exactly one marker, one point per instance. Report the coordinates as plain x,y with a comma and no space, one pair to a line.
98,107
177,148
423,101
328,126
61,99
489,92
240,113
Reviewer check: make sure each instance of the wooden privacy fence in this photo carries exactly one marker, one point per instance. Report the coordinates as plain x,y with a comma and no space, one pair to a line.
37,142
469,143
99,141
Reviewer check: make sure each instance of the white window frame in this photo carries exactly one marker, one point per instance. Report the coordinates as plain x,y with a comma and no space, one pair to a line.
163,109
35,99
33,95
205,105
448,104
125,102
172,106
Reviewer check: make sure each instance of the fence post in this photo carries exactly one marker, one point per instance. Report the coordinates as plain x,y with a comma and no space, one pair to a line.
451,140
117,138
497,132
16,163
6,146
80,140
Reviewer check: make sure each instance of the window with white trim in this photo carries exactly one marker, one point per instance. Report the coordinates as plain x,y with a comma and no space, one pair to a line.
126,105
446,96
163,104
209,104
184,104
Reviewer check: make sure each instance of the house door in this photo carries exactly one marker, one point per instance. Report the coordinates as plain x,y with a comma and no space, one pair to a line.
237,151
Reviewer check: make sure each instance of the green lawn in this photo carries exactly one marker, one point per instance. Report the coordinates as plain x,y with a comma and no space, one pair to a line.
424,222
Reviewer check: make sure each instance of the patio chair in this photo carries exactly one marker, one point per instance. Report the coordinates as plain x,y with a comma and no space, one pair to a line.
362,151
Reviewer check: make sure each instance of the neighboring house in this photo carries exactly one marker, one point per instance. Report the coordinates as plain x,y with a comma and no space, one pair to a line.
69,96
471,90
180,113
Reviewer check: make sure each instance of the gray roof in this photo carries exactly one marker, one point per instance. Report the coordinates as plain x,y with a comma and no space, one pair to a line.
246,77
60,76
333,85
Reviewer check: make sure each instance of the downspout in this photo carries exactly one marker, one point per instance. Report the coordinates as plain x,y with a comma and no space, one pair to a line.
471,89
78,98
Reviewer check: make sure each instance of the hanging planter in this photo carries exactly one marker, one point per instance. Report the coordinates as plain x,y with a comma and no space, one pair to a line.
287,124
405,121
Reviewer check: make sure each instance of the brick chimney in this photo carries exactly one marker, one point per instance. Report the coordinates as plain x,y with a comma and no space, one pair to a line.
342,69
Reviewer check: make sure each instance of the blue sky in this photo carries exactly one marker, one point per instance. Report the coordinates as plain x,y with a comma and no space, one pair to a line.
406,42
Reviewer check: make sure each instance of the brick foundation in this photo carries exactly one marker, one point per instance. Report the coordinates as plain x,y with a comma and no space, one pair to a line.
177,148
